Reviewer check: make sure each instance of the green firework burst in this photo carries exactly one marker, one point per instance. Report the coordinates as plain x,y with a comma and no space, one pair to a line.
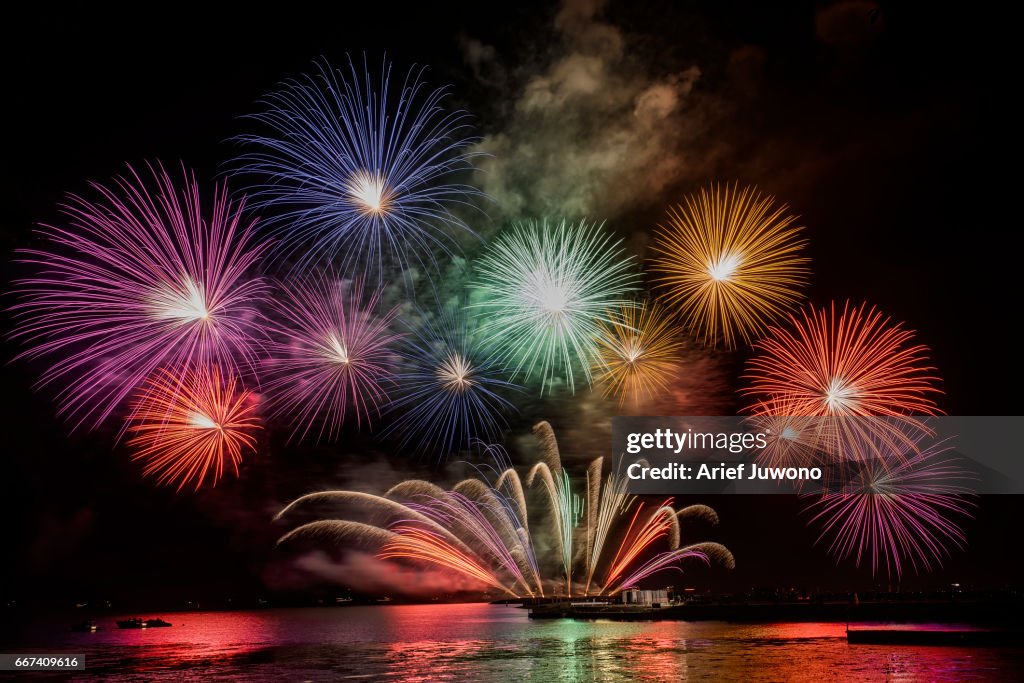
542,290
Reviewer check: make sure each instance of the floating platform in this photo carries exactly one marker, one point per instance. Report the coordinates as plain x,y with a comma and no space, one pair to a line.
1003,614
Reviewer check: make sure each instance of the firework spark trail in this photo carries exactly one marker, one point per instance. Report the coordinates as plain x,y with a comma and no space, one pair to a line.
898,510
187,423
730,259
489,533
382,510
138,279
542,289
706,552
478,531
509,479
437,515
358,172
331,356
558,489
607,503
413,543
659,524
340,531
450,388
638,352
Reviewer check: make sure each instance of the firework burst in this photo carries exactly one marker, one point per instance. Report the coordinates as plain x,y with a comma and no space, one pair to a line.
896,510
730,259
357,171
543,290
136,280
852,363
188,425
488,532
637,353
331,356
449,387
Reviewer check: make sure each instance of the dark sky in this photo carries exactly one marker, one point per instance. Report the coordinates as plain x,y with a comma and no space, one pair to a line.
884,128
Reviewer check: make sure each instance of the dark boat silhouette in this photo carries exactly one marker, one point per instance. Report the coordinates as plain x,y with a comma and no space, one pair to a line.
85,627
136,622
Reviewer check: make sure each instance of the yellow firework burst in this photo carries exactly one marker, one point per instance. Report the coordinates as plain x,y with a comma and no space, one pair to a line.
637,352
731,260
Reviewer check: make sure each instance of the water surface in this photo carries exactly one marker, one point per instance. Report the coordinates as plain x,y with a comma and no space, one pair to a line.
480,642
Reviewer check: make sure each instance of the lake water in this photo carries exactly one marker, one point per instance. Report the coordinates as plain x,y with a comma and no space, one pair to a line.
480,642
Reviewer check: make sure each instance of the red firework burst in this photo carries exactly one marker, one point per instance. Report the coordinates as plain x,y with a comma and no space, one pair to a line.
187,425
856,362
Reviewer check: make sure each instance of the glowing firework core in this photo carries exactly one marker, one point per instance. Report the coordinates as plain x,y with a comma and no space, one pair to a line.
338,350
550,296
725,267
632,350
185,305
455,373
369,192
202,421
840,395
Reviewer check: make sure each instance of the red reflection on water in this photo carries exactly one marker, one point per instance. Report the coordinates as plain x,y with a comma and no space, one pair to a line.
488,642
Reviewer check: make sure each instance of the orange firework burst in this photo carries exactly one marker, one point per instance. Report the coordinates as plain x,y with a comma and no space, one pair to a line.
187,425
637,352
853,363
731,260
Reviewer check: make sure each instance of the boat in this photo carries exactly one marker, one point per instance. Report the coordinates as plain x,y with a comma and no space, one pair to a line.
85,627
136,622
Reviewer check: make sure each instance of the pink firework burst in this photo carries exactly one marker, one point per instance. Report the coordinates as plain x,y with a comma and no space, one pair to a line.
331,356
136,279
896,511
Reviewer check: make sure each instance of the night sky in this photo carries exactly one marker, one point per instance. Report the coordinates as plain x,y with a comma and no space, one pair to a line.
882,127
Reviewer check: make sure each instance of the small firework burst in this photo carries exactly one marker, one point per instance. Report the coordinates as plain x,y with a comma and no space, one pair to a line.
897,510
332,356
189,425
638,352
449,388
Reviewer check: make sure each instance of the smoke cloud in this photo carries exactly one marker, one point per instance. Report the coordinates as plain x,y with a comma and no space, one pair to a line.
365,573
593,131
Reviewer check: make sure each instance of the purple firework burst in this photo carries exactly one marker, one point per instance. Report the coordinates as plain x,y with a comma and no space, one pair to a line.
897,510
331,356
137,278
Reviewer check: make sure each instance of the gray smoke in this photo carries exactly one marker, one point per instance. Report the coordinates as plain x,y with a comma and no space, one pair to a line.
593,130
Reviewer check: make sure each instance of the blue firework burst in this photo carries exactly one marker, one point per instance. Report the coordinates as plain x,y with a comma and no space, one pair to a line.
358,172
450,387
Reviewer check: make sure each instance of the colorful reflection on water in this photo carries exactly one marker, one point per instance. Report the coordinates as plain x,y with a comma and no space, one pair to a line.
482,642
